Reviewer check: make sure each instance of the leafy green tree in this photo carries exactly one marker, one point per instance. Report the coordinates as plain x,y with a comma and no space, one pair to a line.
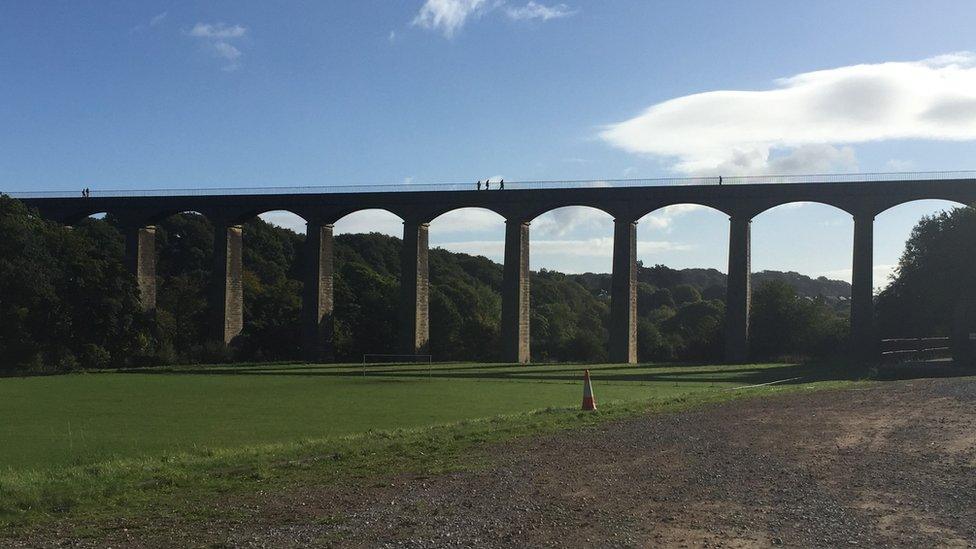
936,271
783,323
661,298
651,345
698,326
686,293
65,299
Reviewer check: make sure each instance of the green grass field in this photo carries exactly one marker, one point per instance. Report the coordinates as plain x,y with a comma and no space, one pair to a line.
100,446
81,419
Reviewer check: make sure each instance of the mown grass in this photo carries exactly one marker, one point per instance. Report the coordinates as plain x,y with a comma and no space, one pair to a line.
68,420
172,441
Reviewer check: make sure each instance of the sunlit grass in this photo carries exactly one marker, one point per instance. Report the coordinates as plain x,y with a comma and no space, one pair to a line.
106,445
80,419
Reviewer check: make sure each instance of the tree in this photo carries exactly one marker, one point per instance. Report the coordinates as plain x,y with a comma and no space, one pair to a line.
698,326
65,298
783,323
936,271
686,293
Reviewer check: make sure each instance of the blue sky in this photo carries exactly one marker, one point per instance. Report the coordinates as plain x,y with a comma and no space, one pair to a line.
185,94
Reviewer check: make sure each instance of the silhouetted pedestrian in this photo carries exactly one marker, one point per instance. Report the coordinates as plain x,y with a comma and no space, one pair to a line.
486,184
479,184
720,180
501,185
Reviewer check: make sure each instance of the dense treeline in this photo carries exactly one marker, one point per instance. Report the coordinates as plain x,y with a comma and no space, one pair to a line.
65,299
67,302
935,277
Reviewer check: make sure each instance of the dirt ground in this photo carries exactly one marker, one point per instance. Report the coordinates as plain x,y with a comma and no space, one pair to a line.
891,464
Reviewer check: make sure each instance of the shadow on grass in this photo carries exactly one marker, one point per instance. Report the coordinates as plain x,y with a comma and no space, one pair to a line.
743,374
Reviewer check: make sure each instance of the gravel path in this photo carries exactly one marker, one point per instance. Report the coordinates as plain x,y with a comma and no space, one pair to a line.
887,465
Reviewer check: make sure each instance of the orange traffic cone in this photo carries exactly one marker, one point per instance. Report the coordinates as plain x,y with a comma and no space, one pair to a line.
589,403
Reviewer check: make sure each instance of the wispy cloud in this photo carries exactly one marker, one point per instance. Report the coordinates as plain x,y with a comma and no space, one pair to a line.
570,256
370,221
449,16
158,19
217,38
228,52
154,21
565,221
663,219
533,10
218,31
284,219
899,165
467,220
807,121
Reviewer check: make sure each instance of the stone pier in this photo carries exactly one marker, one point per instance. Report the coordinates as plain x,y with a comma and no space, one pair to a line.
739,290
140,260
317,298
414,289
862,288
623,293
515,293
228,288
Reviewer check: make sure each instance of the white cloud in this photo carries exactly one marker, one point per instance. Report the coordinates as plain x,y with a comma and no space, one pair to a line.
811,159
562,250
467,220
155,21
899,165
532,10
563,221
883,275
284,219
217,31
447,16
392,37
663,218
371,221
158,19
217,38
577,219
808,118
227,51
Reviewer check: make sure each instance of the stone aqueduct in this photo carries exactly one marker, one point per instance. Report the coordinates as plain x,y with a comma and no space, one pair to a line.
862,199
